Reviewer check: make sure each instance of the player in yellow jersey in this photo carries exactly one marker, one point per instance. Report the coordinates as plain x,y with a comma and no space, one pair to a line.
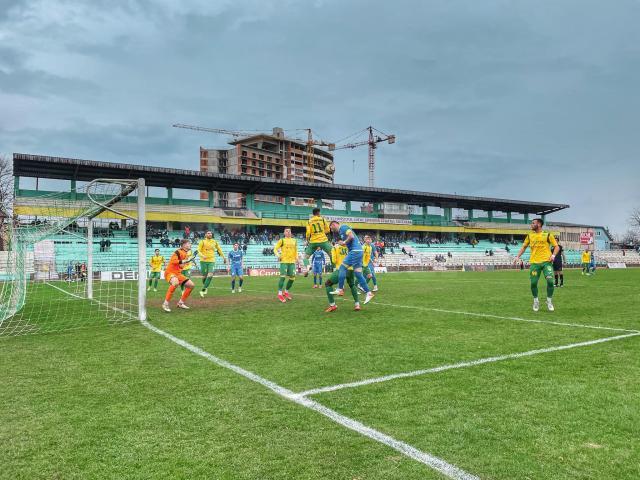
286,251
156,263
338,254
368,268
541,260
585,258
316,236
207,249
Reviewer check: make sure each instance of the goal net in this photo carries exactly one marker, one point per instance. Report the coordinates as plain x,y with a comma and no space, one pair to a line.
75,259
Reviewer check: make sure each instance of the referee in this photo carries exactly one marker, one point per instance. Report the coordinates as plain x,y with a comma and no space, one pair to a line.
557,267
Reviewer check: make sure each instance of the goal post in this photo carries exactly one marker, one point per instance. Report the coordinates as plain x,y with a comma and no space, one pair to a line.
75,259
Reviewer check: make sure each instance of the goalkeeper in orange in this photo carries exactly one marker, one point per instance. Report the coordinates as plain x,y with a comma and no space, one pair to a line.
173,274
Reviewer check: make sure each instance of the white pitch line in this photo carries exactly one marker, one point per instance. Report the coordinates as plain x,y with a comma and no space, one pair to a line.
436,463
445,468
472,314
452,366
500,317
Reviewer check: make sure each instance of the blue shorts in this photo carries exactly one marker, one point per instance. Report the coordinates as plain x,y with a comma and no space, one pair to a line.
236,270
317,268
353,259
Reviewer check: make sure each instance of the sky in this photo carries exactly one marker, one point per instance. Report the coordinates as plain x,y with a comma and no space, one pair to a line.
530,100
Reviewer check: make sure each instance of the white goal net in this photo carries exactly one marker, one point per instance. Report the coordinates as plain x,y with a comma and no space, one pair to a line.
74,259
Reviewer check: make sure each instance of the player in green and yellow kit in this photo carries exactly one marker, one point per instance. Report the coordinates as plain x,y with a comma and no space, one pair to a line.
156,263
585,258
541,260
316,235
286,251
338,254
368,267
207,249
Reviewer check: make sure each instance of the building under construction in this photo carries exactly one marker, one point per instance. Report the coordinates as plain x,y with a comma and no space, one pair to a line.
272,156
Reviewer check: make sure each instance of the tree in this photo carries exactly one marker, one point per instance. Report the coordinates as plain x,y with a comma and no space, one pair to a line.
634,219
6,197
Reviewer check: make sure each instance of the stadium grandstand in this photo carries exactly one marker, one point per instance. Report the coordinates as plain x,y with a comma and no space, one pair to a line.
483,237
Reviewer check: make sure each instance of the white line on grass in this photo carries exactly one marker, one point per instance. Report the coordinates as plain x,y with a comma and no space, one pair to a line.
436,463
452,366
500,317
473,314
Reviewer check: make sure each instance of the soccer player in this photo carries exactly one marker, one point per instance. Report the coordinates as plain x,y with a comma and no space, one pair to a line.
286,251
368,269
207,249
236,270
338,253
173,274
558,263
540,260
585,259
592,263
156,263
317,229
186,268
353,259
318,261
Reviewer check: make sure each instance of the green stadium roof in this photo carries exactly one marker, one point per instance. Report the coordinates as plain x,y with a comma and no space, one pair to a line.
41,166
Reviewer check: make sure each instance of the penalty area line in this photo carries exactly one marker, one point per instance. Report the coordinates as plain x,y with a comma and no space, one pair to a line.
471,363
436,463
447,469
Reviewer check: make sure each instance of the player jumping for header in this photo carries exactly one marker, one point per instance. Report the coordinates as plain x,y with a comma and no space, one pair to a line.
353,259
541,260
236,270
316,235
173,275
286,250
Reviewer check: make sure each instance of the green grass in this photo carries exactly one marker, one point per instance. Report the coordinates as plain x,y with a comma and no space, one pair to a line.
121,401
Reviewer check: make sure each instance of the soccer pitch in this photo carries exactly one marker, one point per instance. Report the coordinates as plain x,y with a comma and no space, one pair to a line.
442,375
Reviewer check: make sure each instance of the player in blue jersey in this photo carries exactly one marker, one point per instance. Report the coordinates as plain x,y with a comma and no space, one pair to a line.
235,267
348,238
318,262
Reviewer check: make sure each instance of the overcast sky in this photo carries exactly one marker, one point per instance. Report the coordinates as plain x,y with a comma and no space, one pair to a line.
532,100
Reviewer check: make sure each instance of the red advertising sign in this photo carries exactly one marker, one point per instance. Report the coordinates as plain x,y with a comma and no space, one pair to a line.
586,238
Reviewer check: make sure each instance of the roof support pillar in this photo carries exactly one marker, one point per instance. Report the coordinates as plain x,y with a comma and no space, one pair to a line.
347,206
211,201
470,214
74,194
318,202
509,217
526,218
490,215
251,201
169,196
287,203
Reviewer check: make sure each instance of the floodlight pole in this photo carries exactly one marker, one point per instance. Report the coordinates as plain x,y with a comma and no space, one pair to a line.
142,252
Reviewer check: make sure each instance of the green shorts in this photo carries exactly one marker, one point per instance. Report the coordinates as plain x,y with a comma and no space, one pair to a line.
366,271
537,270
335,276
206,267
186,273
154,275
585,266
326,246
287,269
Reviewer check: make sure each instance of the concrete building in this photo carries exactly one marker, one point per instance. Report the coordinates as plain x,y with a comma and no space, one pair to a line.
271,156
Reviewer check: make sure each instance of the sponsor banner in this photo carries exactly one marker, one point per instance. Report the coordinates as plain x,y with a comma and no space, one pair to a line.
617,265
114,276
380,269
393,221
586,238
263,272
478,268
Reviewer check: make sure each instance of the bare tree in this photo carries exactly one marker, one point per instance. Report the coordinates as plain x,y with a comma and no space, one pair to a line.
6,197
634,218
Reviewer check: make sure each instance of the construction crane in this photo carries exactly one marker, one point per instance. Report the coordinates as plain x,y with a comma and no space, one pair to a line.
311,144
233,133
375,137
